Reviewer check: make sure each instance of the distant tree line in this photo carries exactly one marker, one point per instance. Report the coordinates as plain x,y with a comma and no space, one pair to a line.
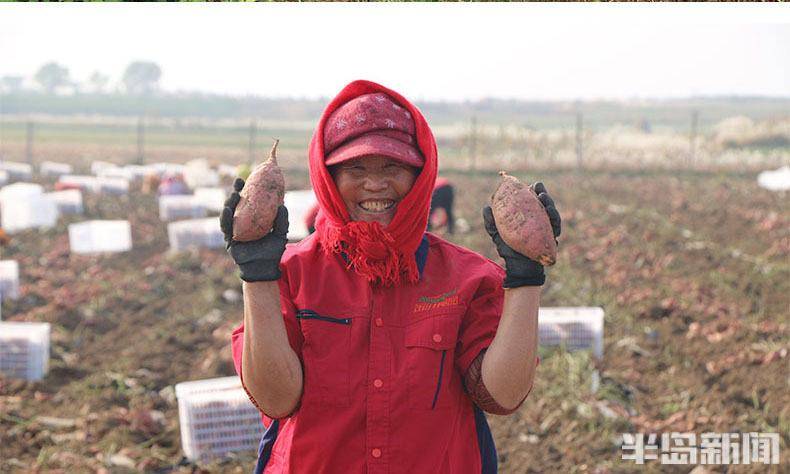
139,77
54,91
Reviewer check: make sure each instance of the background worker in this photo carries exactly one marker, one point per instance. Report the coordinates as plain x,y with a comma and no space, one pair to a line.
442,205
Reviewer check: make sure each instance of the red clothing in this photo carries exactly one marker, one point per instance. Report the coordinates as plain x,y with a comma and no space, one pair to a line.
309,218
383,366
441,182
381,254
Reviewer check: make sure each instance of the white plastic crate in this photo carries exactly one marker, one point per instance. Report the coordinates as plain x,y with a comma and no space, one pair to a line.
213,199
93,184
52,169
20,190
168,168
100,237
24,350
216,418
298,203
225,170
83,182
68,201
139,171
9,279
116,186
97,166
195,233
180,206
17,171
115,172
20,212
197,174
574,327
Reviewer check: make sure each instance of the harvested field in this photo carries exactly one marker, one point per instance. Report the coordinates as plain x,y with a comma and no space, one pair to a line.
691,268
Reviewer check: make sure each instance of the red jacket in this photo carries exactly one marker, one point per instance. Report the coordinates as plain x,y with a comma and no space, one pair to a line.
383,367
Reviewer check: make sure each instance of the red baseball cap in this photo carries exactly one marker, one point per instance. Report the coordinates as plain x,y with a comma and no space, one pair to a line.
371,124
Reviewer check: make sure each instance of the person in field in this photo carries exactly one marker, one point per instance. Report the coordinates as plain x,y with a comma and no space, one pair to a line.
441,211
372,345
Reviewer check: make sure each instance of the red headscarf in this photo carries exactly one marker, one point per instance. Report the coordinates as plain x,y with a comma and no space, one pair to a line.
382,255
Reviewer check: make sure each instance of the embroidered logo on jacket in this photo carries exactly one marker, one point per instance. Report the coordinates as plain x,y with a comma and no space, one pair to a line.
425,303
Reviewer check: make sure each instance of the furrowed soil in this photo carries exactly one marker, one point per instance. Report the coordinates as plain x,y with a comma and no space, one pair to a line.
691,268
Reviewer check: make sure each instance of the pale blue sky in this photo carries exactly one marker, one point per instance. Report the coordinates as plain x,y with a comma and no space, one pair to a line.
447,51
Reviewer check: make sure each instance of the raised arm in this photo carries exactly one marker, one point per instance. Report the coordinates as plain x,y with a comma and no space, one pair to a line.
270,369
509,364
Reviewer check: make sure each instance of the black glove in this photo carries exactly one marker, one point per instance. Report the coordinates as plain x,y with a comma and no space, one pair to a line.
258,260
520,270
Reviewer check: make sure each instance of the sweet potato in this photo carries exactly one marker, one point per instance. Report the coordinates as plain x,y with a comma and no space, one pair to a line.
262,194
522,220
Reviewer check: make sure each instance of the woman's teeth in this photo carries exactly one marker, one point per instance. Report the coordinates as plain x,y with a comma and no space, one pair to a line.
376,206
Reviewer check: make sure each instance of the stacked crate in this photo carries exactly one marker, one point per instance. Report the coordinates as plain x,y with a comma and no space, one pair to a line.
68,201
9,279
24,350
100,236
193,233
180,206
574,328
52,169
216,418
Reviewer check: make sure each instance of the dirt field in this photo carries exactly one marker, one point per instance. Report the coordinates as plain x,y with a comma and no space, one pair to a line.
692,270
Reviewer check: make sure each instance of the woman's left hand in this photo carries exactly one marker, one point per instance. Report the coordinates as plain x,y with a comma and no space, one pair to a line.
519,269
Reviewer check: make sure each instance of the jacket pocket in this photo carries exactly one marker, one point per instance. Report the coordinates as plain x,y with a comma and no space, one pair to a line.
326,358
430,352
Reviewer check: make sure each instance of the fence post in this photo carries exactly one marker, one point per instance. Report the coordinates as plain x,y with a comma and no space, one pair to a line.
473,142
253,131
29,148
579,129
140,141
693,138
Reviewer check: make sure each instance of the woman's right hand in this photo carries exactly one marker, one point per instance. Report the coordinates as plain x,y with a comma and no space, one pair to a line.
258,260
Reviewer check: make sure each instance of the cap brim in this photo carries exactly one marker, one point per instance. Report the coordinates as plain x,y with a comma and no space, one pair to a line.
368,145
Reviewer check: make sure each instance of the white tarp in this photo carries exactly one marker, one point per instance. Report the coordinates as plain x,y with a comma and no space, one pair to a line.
100,236
776,180
299,203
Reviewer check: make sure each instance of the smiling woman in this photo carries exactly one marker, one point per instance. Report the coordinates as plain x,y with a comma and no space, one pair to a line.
372,186
366,345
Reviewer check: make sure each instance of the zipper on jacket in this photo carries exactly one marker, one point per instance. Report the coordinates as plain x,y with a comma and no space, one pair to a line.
439,383
310,314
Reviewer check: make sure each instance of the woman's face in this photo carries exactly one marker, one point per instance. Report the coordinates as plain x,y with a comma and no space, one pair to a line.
372,187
